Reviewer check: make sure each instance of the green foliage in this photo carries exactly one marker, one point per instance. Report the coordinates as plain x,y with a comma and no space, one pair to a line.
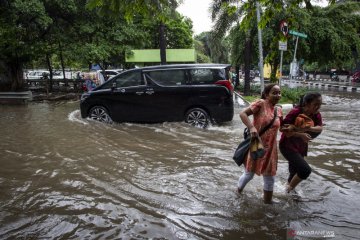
216,49
251,98
288,95
202,56
292,95
329,44
333,35
178,32
73,34
152,9
254,89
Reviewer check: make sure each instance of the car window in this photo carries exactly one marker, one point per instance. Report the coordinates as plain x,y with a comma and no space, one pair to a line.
111,72
207,76
129,79
168,78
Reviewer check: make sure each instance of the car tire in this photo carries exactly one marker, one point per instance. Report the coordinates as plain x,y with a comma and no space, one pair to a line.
197,117
101,114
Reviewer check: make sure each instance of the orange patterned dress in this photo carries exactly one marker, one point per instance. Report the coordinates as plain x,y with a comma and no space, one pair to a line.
263,113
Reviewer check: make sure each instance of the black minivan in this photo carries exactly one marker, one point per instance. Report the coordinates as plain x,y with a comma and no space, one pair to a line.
195,93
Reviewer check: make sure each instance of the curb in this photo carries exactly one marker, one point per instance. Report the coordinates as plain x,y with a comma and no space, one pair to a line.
240,96
325,85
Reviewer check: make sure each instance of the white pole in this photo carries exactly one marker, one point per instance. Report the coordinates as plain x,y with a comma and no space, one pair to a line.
294,62
281,61
261,60
297,39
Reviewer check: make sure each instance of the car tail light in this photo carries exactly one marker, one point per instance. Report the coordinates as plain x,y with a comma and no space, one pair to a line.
226,83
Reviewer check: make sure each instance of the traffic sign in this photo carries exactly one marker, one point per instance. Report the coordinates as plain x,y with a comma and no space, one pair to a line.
298,34
283,46
284,27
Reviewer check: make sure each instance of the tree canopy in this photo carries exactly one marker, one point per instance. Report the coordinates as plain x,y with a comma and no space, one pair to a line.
328,44
58,33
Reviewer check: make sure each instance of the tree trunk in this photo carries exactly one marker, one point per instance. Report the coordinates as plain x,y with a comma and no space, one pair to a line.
356,59
62,63
49,78
247,63
11,75
274,67
162,43
16,74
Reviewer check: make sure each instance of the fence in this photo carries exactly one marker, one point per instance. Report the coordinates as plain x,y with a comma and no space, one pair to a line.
15,97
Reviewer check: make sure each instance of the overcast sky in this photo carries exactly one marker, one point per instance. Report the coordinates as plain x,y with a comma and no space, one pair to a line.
198,12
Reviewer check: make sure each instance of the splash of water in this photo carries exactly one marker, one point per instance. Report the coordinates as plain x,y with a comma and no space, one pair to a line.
74,117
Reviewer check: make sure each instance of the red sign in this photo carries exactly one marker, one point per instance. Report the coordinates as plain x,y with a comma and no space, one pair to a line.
284,27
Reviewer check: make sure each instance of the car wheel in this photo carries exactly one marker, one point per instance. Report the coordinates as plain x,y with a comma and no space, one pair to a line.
100,114
197,117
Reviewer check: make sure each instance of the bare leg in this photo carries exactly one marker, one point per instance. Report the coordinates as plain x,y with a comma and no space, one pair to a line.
293,183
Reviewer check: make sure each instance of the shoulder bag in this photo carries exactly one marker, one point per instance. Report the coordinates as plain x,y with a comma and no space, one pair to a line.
243,148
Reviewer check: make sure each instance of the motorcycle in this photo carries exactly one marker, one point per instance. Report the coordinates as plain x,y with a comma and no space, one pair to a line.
334,77
356,77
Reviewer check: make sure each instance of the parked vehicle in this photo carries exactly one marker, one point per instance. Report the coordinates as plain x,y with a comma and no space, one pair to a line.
194,93
356,77
109,73
37,74
58,75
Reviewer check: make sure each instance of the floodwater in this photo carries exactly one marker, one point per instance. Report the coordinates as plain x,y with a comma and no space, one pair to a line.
63,177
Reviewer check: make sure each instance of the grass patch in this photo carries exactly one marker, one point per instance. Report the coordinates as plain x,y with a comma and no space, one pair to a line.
288,95
251,98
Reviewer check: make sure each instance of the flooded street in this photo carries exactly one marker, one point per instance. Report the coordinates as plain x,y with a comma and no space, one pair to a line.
63,177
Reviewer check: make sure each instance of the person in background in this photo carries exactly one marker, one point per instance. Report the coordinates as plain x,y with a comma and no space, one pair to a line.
233,76
302,124
263,113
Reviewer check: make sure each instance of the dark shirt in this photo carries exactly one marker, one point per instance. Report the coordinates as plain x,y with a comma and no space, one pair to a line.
296,144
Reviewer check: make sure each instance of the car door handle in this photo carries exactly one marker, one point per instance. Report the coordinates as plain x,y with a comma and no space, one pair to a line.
139,93
149,91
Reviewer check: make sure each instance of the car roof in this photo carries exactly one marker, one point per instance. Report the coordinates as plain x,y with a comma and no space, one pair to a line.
186,66
113,70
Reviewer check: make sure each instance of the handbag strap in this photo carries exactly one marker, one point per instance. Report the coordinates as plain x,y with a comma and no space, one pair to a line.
270,124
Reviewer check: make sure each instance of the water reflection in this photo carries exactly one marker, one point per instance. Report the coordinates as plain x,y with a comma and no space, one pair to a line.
65,177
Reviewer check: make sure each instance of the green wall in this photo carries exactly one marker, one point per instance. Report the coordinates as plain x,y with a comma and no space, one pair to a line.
153,55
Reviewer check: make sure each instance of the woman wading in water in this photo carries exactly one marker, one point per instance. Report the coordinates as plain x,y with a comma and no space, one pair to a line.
263,113
302,124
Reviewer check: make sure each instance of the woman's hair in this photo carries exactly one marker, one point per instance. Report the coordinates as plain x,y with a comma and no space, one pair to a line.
308,98
267,90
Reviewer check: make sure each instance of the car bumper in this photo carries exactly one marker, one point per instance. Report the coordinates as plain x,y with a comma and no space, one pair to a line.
223,114
84,109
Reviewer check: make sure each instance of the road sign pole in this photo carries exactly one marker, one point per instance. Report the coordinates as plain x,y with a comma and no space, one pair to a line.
297,39
282,48
294,61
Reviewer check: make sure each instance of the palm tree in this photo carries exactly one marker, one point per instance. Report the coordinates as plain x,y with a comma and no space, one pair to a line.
226,13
